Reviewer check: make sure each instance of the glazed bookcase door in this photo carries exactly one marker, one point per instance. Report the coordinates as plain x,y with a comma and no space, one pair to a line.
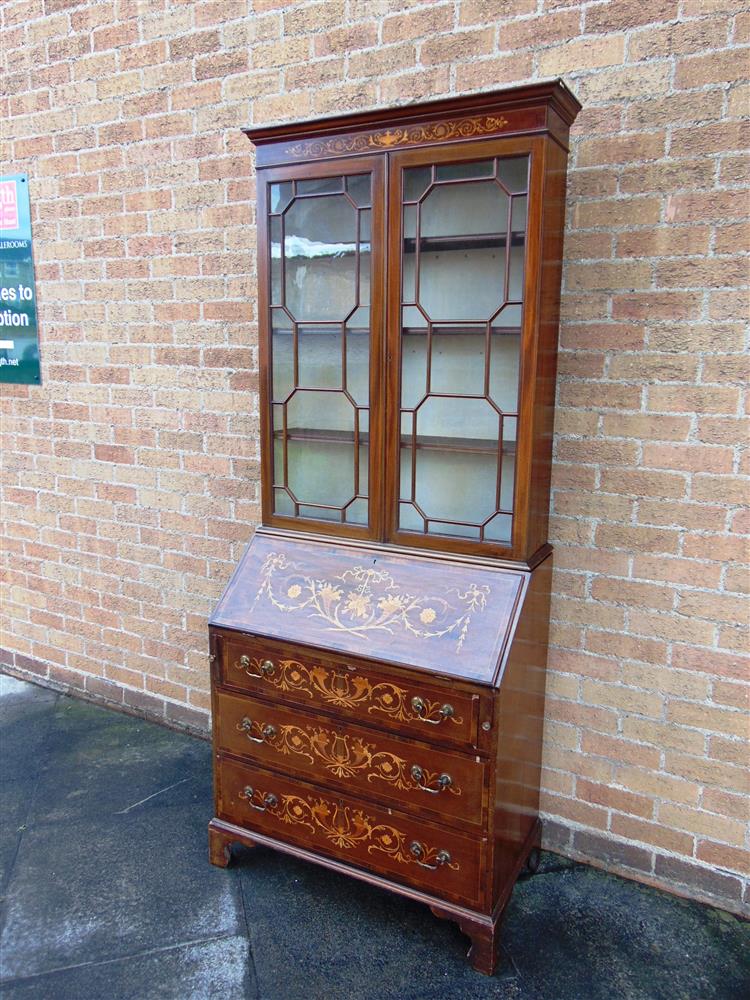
461,315
321,262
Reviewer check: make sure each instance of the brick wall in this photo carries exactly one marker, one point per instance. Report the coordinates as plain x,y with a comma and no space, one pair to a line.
131,475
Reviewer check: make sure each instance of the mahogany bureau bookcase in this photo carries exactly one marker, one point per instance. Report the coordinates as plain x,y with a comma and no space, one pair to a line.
378,658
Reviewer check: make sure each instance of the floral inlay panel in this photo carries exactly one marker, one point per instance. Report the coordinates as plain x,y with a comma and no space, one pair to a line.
343,756
347,827
361,601
388,138
345,690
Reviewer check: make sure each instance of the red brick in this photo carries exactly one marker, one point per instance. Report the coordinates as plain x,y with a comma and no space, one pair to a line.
700,880
615,798
653,834
715,67
628,14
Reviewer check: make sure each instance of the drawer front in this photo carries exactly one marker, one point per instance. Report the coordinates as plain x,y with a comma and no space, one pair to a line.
358,692
363,761
440,861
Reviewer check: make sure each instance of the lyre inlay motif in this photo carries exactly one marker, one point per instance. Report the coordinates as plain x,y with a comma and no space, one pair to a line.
346,690
347,827
344,756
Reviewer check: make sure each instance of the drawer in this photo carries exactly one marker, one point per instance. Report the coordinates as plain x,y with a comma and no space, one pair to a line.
440,861
360,761
356,691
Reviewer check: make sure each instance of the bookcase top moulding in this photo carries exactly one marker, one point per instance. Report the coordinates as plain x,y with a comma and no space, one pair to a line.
548,107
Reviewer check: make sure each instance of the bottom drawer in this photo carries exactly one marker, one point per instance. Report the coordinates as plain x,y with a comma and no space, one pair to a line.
440,861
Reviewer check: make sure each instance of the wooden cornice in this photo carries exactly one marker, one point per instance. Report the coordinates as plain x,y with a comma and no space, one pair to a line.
553,93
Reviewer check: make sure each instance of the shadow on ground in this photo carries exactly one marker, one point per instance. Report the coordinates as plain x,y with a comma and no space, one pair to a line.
107,893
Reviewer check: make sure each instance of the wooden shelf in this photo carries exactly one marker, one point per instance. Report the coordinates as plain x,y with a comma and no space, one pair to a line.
477,446
464,241
334,329
461,331
442,329
428,442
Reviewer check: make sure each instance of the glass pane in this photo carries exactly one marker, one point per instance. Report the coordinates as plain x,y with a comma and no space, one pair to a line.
413,319
510,433
357,366
319,357
504,365
364,229
463,171
278,465
283,371
320,251
456,486
409,518
313,411
406,476
509,318
471,208
467,286
364,469
281,195
409,281
321,471
472,421
283,503
507,482
320,264
457,530
320,185
518,215
410,223
413,369
458,361
499,528
364,283
281,321
275,232
416,180
515,274
358,188
320,513
356,512
513,173
462,276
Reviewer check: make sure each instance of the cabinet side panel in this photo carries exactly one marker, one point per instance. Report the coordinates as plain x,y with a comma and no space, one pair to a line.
546,360
215,654
519,721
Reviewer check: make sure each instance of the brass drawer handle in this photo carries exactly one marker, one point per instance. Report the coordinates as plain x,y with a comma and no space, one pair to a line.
266,668
418,851
267,732
270,801
419,705
442,781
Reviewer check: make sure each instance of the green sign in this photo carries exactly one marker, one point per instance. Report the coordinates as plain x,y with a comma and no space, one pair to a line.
19,340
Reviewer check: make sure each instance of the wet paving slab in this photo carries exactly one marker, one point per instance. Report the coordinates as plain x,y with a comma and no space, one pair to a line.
106,892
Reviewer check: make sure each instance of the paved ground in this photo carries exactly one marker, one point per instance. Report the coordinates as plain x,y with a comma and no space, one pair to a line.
107,893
